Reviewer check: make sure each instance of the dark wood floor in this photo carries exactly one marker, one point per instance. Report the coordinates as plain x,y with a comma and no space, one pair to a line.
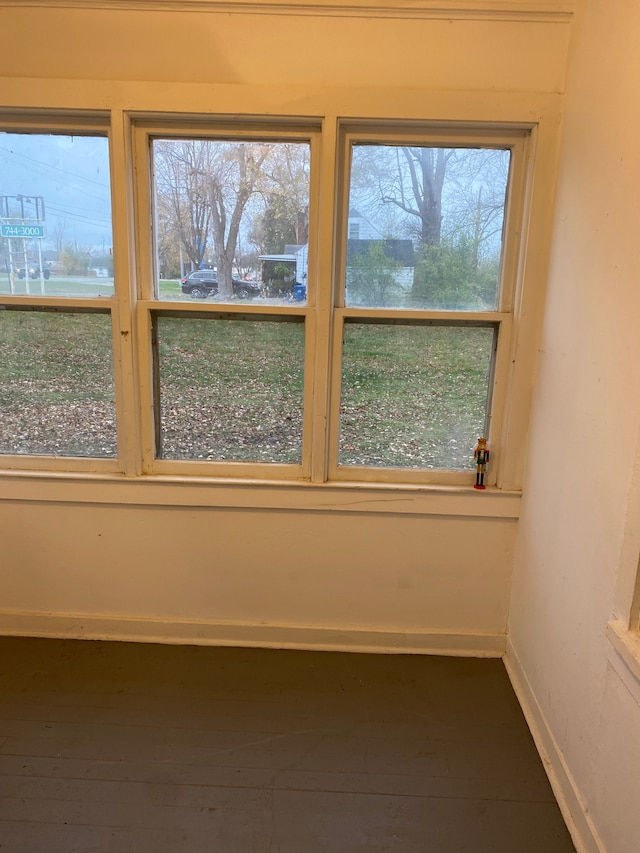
126,748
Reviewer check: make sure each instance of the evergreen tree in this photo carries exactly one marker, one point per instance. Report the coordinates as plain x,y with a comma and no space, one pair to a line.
372,278
449,276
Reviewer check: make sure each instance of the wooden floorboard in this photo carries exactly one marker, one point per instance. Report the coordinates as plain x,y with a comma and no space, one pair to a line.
134,748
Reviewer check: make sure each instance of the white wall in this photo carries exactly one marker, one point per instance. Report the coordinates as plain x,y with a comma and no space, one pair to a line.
569,562
84,562
77,564
241,573
275,49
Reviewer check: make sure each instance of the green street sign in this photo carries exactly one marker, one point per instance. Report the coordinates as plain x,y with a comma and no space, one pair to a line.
22,230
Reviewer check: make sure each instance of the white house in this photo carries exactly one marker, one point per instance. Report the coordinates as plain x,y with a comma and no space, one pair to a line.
359,231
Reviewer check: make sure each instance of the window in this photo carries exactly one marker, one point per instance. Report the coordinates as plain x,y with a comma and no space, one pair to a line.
423,312
277,321
412,393
230,389
57,387
225,305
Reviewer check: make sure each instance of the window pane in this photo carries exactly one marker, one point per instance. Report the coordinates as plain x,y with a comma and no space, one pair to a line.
425,227
56,384
55,213
413,396
232,219
230,389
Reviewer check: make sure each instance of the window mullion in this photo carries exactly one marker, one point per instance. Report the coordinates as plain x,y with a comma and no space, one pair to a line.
318,393
148,402
124,336
336,377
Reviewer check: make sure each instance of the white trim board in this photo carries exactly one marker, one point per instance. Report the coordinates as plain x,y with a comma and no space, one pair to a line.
554,11
461,501
583,832
627,645
211,633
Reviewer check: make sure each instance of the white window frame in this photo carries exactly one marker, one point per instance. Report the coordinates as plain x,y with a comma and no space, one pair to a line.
88,124
134,304
623,630
396,133
149,307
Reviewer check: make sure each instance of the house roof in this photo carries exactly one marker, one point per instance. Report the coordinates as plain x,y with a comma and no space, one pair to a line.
276,257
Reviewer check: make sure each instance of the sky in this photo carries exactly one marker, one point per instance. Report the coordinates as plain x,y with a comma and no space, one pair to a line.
71,174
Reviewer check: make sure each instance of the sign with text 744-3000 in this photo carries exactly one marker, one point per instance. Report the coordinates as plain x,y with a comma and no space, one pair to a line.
22,230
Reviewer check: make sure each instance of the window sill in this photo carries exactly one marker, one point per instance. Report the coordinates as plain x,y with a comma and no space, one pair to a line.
329,497
627,645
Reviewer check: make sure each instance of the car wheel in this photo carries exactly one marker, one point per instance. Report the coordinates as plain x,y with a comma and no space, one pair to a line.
243,292
198,292
47,274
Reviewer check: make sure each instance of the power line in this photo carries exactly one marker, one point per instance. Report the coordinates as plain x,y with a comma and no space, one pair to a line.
70,186
78,215
50,166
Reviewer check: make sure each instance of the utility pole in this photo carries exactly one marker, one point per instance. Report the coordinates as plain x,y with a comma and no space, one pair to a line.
23,227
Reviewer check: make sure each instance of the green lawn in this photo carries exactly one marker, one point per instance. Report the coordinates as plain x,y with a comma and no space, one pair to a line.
413,396
232,390
74,286
56,384
83,286
80,286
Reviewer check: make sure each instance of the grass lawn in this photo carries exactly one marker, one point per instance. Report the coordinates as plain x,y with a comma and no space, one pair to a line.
84,286
56,384
231,390
411,396
74,286
170,289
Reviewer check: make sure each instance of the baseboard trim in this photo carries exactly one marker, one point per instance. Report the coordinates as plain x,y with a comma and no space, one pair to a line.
579,823
212,633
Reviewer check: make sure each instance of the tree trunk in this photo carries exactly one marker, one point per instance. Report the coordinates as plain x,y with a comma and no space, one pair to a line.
433,164
248,174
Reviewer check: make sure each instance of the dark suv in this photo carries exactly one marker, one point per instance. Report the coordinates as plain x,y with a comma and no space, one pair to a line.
202,283
34,272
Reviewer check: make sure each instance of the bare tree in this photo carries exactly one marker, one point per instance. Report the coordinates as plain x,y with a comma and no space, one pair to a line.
182,204
476,199
289,174
440,191
235,174
410,178
208,191
58,234
284,216
450,202
422,198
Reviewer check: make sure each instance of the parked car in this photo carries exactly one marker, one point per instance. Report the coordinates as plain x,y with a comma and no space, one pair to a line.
202,283
34,272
